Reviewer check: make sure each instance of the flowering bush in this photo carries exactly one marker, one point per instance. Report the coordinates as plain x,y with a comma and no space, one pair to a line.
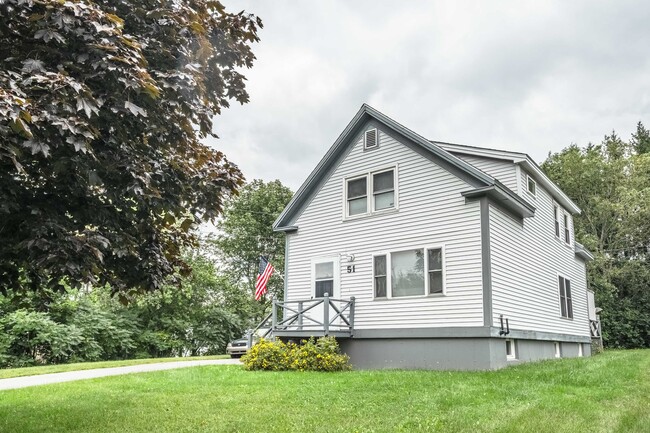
311,355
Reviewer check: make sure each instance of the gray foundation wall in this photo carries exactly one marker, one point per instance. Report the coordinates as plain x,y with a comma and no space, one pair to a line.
449,353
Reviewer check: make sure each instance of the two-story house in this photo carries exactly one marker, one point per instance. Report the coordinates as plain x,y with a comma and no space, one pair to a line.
420,254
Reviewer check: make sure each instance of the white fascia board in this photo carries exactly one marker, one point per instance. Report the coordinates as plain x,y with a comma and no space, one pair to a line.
484,152
555,191
522,160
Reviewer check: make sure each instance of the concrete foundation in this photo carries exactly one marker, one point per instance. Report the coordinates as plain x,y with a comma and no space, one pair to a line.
451,353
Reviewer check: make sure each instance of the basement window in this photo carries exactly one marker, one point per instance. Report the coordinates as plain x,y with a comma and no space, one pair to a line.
511,352
558,350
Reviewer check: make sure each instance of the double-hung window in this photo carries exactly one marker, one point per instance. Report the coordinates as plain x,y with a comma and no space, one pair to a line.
370,193
383,190
380,276
566,302
434,270
357,196
415,272
567,229
556,215
323,279
531,185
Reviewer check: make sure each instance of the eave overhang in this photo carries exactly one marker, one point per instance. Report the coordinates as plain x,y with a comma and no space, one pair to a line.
583,252
522,160
289,229
502,196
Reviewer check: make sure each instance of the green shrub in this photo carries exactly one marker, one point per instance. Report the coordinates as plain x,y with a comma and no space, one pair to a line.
311,355
30,337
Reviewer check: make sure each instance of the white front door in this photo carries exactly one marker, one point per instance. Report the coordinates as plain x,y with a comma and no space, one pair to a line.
325,279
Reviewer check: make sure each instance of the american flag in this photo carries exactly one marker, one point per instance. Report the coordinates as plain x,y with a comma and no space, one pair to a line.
266,270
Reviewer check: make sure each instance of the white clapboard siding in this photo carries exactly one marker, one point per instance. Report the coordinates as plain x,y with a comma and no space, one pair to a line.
431,212
526,261
502,170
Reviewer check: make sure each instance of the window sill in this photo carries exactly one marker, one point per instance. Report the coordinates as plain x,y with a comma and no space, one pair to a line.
566,318
563,243
432,295
369,215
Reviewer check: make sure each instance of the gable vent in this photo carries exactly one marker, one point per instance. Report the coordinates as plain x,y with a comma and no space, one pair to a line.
370,141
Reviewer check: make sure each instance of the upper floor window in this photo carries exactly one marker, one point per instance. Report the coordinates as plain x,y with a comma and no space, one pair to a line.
415,272
357,196
567,229
566,302
383,190
371,192
531,185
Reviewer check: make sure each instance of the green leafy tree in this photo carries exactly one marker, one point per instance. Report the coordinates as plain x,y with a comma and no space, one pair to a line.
89,324
246,232
641,139
102,108
611,184
197,318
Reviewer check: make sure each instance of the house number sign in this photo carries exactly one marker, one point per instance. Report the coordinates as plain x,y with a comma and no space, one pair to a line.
351,269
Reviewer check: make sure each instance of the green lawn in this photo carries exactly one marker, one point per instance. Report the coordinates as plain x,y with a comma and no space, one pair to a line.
58,368
606,393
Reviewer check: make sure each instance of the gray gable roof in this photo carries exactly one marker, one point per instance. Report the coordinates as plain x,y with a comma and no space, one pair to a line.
482,182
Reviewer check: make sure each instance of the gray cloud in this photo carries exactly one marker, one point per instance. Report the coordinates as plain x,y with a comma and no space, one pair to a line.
526,76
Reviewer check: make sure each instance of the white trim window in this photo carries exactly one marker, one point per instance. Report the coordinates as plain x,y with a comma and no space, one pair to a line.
566,301
371,193
357,196
511,350
567,230
325,277
405,273
556,217
580,350
380,276
558,349
383,190
531,185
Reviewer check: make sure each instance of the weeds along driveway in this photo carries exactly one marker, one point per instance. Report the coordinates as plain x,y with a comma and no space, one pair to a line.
45,379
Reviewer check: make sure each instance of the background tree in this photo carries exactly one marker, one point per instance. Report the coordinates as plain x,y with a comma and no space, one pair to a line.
611,184
102,108
246,232
199,318
88,324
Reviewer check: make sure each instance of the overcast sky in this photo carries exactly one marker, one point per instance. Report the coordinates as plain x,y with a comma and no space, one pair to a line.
525,76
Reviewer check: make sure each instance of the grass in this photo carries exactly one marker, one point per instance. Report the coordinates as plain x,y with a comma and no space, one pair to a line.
605,393
59,368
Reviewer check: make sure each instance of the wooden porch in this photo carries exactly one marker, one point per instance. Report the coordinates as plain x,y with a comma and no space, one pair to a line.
306,318
594,327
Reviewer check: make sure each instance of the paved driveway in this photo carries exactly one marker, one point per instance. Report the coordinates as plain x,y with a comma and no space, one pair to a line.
45,379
